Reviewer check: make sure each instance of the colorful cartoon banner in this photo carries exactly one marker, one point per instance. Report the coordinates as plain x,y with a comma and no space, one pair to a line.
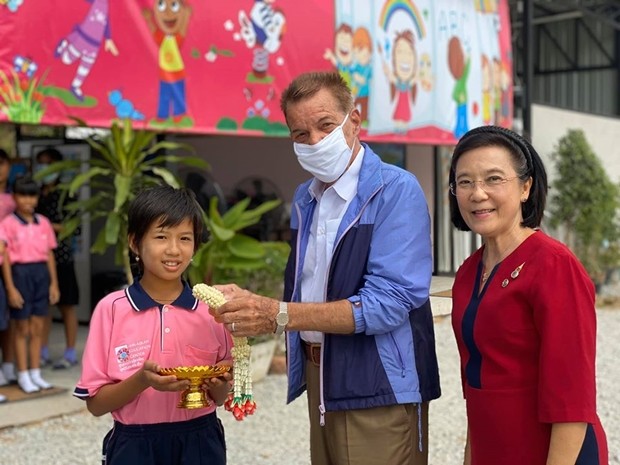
422,71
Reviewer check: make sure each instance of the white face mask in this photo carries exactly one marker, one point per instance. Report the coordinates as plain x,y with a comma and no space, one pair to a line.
328,158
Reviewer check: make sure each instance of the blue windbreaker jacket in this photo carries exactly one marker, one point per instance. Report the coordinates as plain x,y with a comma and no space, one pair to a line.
382,263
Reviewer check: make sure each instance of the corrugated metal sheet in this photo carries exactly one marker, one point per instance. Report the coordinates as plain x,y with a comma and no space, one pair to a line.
576,46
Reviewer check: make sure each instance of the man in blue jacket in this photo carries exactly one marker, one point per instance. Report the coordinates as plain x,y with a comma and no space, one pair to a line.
356,308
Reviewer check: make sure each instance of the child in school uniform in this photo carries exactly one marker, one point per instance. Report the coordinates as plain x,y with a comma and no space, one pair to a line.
7,206
156,323
30,280
4,310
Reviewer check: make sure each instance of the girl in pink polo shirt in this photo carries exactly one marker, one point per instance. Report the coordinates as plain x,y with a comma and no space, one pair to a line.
7,206
30,280
156,323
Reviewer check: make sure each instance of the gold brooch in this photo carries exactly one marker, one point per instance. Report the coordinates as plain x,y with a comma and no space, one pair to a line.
513,275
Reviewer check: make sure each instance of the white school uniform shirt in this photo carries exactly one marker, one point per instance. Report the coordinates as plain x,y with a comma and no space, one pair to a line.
331,206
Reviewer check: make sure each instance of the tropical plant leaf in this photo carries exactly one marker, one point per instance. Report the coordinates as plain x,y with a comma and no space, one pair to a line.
242,264
122,186
247,247
112,228
214,213
232,216
83,178
166,175
221,233
69,226
168,145
100,245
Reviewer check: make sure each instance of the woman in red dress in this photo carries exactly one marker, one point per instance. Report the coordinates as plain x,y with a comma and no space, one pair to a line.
523,315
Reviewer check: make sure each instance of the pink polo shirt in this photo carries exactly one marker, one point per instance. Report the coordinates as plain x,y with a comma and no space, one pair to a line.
7,205
3,245
127,328
28,242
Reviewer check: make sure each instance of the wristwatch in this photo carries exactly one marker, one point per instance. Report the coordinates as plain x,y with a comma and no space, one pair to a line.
281,318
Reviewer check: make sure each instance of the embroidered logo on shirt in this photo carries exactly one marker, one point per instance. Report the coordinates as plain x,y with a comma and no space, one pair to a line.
122,353
132,355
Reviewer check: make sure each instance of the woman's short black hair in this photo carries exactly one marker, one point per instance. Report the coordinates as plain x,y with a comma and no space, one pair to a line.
25,185
168,207
527,164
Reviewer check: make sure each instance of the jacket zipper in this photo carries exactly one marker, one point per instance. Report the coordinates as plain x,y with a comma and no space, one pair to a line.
329,266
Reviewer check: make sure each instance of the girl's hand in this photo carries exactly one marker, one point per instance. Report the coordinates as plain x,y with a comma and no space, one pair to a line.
54,294
15,298
219,387
152,378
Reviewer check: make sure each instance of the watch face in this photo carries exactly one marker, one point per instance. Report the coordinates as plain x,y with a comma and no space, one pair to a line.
282,319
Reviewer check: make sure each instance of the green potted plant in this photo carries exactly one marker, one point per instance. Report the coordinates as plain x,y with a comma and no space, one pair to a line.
129,160
585,205
228,248
229,255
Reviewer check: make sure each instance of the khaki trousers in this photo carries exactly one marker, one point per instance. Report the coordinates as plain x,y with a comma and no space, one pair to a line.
376,436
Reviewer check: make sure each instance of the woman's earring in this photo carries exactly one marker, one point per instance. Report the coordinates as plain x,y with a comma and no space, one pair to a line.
523,200
137,258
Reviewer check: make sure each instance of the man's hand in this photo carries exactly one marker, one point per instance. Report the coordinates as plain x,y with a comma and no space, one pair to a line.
251,314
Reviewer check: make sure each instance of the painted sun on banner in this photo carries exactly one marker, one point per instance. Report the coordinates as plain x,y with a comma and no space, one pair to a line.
421,71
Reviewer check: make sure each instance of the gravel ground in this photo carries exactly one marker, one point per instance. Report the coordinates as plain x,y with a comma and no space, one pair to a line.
278,434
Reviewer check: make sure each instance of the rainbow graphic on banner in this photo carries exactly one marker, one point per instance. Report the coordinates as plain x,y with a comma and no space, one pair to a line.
407,6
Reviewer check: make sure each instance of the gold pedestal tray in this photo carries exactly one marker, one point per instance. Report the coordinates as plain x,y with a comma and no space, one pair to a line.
195,396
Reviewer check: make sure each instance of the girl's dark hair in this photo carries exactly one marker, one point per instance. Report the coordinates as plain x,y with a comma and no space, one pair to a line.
53,154
25,185
166,206
526,161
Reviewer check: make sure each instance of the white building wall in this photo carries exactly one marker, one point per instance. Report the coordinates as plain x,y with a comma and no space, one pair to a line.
549,124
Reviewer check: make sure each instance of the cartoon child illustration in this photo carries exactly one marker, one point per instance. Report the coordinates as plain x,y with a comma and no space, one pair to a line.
487,89
505,87
262,32
84,42
342,55
459,68
497,90
362,71
403,77
168,21
427,80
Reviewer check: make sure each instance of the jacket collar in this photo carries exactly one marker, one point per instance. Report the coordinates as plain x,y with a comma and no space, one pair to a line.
140,300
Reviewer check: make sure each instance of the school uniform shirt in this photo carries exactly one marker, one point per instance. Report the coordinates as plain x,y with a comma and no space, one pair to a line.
7,204
28,242
128,328
3,240
527,344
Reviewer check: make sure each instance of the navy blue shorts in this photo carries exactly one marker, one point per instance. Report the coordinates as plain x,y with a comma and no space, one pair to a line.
4,307
194,442
32,280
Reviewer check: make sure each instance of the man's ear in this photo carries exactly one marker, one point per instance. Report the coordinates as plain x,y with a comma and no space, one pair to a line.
356,119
